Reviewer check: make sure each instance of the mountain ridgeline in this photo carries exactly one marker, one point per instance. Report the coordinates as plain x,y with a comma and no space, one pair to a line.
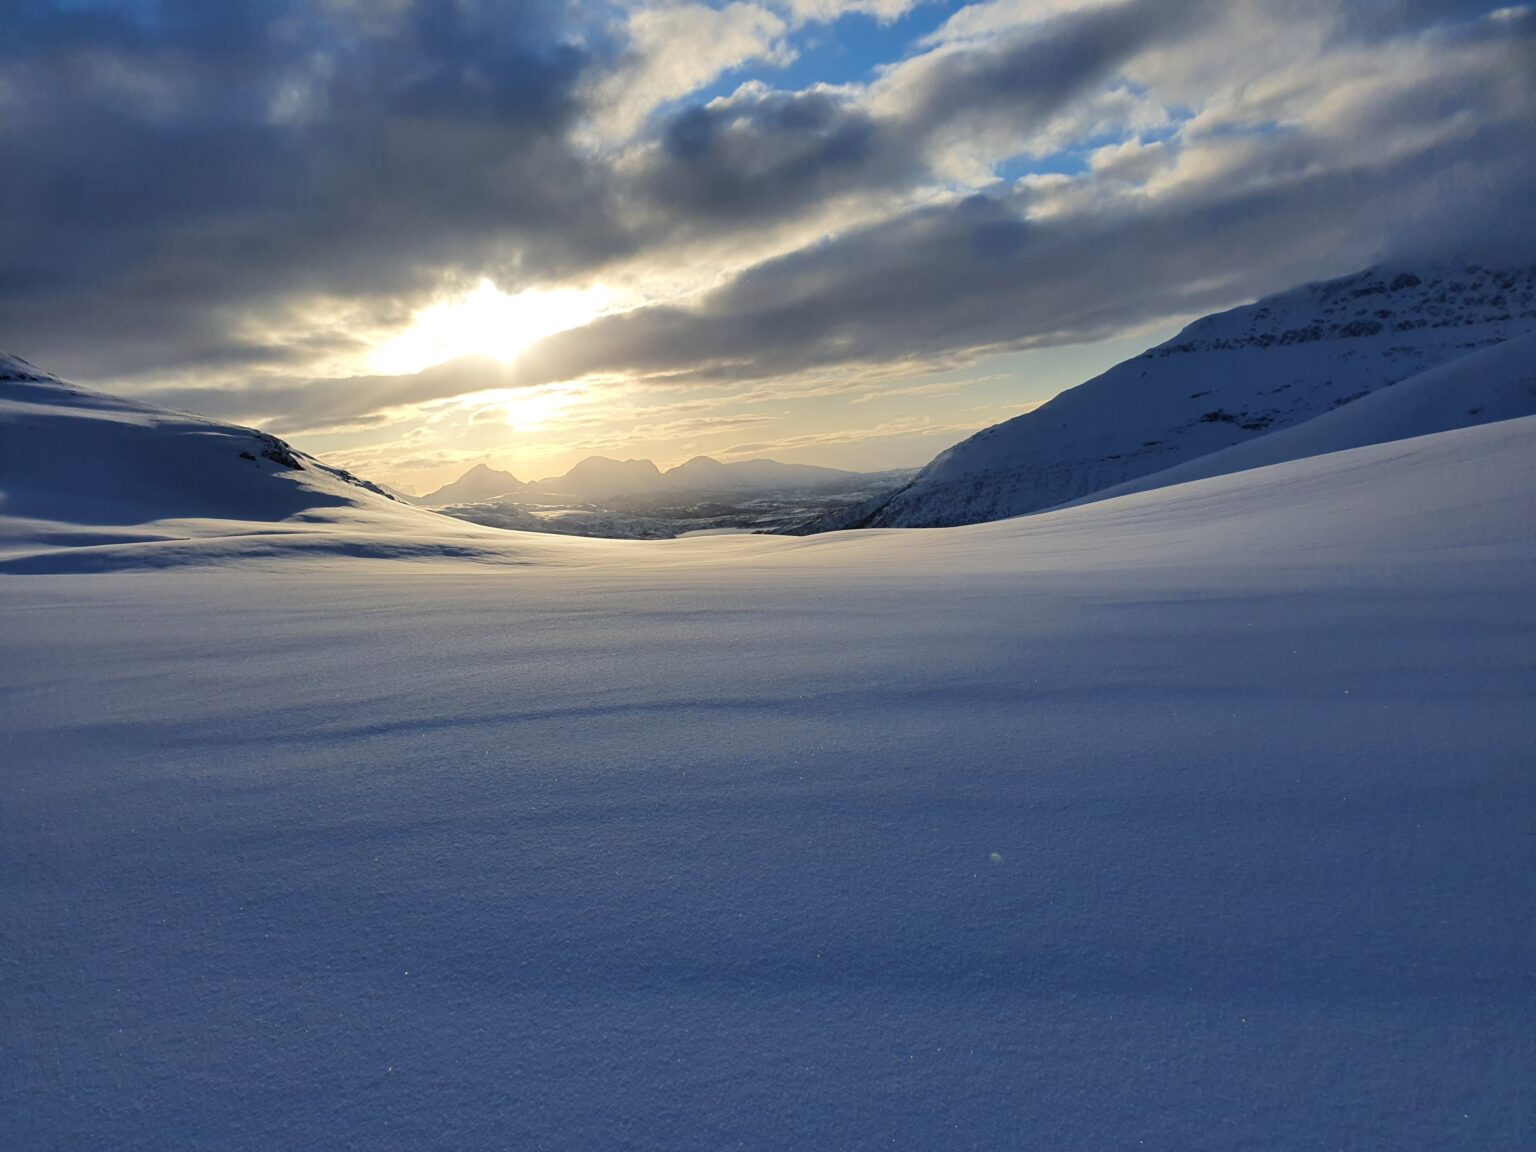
1228,380
75,455
600,478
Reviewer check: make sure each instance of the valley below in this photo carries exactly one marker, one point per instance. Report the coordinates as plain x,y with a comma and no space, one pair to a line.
661,516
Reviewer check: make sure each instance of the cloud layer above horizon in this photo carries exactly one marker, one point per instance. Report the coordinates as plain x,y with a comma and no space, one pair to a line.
234,206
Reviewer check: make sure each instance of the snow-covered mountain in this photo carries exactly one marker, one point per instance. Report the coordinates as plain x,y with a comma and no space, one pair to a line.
78,467
1482,387
71,455
599,477
482,482
91,482
1225,380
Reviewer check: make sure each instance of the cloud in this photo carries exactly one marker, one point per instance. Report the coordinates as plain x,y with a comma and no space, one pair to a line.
1220,218
830,11
678,48
244,197
912,426
186,171
761,154
295,404
939,388
1302,169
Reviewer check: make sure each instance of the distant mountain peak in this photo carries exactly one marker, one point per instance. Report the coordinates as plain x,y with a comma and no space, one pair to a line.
605,461
481,482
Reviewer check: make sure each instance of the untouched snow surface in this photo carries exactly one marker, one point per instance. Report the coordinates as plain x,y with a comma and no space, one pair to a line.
1229,379
1196,819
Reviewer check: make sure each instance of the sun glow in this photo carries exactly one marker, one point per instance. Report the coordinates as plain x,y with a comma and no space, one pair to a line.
487,322
533,409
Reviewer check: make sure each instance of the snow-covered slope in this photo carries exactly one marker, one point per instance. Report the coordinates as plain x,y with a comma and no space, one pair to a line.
1197,819
1224,380
70,454
1496,383
79,468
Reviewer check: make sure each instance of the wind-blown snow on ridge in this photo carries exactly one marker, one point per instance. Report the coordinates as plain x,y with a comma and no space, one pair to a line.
1226,379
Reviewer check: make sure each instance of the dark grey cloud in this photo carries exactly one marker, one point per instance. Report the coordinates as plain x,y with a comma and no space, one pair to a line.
1033,73
297,404
768,154
174,166
1371,19
978,274
181,171
945,281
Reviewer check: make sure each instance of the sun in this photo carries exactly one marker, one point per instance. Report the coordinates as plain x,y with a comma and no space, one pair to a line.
534,409
487,322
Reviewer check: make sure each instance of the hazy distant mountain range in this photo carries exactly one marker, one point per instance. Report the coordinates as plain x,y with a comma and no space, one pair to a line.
600,478
633,499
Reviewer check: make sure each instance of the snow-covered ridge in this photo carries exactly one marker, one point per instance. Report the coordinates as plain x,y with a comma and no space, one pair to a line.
1483,387
13,369
65,447
1371,303
54,393
1224,380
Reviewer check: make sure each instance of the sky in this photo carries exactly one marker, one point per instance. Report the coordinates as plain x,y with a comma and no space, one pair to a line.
414,235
